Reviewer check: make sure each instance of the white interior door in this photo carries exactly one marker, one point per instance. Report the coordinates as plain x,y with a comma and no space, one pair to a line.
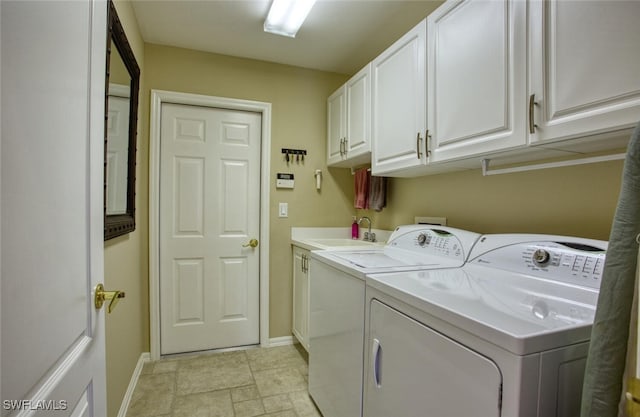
52,348
209,212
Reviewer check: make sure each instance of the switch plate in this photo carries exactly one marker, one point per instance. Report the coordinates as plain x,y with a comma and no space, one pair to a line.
283,210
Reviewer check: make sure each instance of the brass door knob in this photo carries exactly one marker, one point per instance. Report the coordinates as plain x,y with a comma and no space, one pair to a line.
252,243
101,295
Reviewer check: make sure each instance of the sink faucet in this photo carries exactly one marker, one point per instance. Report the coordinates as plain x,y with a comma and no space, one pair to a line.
368,236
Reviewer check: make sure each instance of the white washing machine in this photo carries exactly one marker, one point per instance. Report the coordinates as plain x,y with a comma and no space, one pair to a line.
337,306
506,335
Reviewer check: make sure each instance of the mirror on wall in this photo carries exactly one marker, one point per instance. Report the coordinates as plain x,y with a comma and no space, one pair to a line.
121,120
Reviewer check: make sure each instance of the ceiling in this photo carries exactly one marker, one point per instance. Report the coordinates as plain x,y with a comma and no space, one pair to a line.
338,36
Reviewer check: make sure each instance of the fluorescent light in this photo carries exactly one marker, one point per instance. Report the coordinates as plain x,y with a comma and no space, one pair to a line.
286,16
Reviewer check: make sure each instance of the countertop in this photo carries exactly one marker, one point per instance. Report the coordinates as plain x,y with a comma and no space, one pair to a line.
318,238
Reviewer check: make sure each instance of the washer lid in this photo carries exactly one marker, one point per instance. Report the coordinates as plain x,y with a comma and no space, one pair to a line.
409,248
517,312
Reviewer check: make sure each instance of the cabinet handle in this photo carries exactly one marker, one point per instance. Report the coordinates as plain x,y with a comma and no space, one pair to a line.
428,136
341,146
532,103
346,142
418,139
302,266
377,357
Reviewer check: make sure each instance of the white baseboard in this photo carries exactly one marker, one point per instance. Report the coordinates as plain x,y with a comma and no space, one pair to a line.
282,341
124,406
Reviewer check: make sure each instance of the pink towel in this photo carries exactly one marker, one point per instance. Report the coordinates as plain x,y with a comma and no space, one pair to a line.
361,200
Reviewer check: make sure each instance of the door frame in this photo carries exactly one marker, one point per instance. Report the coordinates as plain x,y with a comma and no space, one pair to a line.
158,97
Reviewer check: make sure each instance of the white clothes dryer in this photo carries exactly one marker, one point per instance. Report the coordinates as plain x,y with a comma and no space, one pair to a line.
504,336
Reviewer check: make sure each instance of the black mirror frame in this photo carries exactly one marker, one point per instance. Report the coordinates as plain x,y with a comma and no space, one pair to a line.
120,224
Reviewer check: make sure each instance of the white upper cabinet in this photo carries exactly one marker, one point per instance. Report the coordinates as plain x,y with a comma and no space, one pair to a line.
349,122
476,74
336,126
585,68
399,97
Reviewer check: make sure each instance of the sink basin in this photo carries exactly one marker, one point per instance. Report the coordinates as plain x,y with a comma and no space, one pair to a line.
326,243
341,242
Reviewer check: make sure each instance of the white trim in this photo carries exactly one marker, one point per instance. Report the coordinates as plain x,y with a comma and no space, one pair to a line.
157,98
124,406
571,162
281,341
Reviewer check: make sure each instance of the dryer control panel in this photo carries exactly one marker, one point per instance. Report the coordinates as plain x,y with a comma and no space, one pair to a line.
565,260
434,241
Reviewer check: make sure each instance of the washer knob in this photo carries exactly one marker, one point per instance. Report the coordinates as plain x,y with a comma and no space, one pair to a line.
422,239
541,257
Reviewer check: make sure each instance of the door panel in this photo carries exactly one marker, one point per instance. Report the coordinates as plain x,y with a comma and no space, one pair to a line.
336,125
358,113
52,205
189,295
189,197
209,209
398,97
236,186
416,372
582,84
477,77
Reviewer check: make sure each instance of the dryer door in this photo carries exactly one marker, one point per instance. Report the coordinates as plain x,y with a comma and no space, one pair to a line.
415,371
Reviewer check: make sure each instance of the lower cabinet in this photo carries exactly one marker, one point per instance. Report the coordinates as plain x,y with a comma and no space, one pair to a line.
301,295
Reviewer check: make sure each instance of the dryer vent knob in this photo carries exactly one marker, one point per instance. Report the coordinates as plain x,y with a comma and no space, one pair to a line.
541,257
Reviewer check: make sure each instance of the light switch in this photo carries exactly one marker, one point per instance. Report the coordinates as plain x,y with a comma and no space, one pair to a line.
283,210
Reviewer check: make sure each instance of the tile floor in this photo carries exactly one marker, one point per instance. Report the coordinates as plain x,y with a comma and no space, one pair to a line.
254,382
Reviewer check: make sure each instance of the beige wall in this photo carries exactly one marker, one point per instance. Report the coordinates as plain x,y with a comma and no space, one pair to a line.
575,201
298,98
126,259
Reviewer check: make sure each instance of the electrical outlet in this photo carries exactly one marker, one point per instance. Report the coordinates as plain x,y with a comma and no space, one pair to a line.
440,221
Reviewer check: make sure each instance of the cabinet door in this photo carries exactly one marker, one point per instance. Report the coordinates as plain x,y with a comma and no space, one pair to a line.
416,372
336,118
399,104
301,296
585,67
476,75
358,136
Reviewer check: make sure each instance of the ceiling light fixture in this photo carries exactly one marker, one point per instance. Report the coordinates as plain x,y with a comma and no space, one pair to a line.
286,16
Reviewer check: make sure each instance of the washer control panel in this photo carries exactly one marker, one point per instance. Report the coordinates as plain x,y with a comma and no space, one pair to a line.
430,242
570,262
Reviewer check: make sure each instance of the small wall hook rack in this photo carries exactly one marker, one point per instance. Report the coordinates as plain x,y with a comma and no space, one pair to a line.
291,153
